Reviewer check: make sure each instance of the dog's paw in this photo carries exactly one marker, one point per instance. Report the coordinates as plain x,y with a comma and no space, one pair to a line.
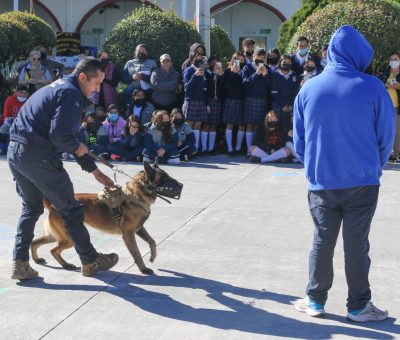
69,266
40,260
147,271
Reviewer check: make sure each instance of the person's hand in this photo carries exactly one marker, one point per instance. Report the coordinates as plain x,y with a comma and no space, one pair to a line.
287,108
137,76
235,69
132,131
260,71
81,150
199,73
290,133
102,179
208,109
160,152
179,143
84,125
290,108
32,81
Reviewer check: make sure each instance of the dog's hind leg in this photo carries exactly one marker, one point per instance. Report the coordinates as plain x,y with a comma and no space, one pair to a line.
56,252
38,242
144,235
130,241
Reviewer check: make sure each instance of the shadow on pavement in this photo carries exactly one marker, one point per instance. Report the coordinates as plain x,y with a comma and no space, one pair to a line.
240,316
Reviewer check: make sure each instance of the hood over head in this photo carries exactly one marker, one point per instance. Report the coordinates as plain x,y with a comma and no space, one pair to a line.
194,46
350,49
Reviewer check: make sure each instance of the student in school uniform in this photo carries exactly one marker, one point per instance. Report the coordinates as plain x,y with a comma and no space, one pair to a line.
187,140
195,106
273,57
309,70
257,84
233,94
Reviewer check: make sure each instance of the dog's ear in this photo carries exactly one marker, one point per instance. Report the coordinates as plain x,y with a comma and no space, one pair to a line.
155,164
150,172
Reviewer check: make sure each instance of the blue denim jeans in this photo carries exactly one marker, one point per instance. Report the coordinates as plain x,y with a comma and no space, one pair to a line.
354,208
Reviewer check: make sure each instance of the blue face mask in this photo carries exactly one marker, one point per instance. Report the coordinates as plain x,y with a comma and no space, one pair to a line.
303,52
113,117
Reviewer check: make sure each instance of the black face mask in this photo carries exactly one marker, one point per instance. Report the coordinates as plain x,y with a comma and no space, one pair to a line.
309,68
91,127
139,101
242,65
178,122
259,61
104,62
272,125
102,118
197,63
286,67
142,56
43,56
249,54
272,60
165,125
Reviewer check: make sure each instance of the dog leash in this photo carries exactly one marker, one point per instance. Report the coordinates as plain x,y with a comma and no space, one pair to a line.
115,169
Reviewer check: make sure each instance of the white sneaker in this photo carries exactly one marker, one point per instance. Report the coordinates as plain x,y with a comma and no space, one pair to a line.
71,157
174,161
368,313
310,307
64,156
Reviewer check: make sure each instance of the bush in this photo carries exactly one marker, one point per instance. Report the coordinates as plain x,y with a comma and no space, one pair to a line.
4,45
221,45
41,31
377,20
19,39
162,32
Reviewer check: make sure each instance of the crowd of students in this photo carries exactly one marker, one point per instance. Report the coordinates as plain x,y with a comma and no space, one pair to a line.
245,107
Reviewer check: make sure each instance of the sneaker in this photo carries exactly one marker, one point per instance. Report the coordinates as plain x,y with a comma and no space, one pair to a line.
231,153
65,156
254,159
71,157
186,158
248,155
21,270
115,157
104,156
368,313
103,262
310,307
139,158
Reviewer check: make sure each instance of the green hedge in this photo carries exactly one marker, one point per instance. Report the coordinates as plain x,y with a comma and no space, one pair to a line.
221,45
377,20
19,40
161,31
41,31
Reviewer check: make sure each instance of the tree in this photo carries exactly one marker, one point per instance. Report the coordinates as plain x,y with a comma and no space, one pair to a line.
377,20
19,40
221,45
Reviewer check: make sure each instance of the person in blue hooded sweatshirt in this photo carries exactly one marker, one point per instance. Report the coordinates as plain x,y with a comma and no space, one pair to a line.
343,133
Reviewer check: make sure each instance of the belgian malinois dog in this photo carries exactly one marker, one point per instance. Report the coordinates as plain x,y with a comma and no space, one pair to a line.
144,188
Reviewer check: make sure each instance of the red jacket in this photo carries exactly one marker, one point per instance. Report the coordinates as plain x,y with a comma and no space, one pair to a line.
11,108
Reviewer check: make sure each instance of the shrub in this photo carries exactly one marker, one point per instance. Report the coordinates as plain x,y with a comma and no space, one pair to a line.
377,20
162,32
221,45
41,31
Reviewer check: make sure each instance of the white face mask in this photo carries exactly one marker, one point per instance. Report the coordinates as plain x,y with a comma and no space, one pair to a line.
21,99
394,64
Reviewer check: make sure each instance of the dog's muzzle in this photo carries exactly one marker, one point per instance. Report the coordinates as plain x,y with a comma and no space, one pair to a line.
170,188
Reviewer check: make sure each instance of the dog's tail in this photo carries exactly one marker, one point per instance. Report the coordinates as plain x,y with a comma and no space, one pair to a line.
46,203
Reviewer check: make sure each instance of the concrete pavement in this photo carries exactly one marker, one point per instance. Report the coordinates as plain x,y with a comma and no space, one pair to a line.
232,258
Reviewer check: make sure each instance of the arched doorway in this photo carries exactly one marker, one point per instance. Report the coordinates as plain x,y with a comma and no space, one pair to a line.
46,14
249,18
101,19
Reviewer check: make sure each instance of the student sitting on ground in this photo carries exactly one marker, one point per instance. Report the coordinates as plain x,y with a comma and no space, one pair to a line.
269,141
289,143
130,147
187,140
140,107
161,140
93,134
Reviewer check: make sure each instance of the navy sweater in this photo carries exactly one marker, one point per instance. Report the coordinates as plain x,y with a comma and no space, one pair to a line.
232,85
214,86
194,86
284,89
256,85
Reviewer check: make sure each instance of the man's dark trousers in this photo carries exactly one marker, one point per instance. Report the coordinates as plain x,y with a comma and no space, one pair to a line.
355,207
39,173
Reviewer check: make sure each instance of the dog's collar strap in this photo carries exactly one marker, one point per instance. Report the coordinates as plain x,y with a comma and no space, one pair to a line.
153,191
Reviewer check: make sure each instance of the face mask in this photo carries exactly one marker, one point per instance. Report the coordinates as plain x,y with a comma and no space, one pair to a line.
286,67
43,55
303,52
113,117
309,68
21,99
139,101
272,125
165,125
102,118
104,62
259,61
249,54
197,63
91,127
178,122
394,64
242,65
142,56
272,60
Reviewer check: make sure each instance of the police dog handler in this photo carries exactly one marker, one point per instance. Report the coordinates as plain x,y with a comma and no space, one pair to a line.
343,133
47,123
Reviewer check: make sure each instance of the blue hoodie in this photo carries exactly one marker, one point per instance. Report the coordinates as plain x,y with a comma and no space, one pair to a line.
344,120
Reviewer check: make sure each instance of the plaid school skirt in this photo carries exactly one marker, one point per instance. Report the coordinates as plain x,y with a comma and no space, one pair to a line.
214,117
254,109
195,111
233,111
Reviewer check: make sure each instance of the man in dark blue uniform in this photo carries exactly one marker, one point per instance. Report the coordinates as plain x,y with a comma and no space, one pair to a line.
46,124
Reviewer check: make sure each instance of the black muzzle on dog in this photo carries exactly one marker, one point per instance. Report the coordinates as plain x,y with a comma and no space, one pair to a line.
170,188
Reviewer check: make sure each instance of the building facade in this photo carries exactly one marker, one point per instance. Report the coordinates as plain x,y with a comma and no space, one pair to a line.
94,19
